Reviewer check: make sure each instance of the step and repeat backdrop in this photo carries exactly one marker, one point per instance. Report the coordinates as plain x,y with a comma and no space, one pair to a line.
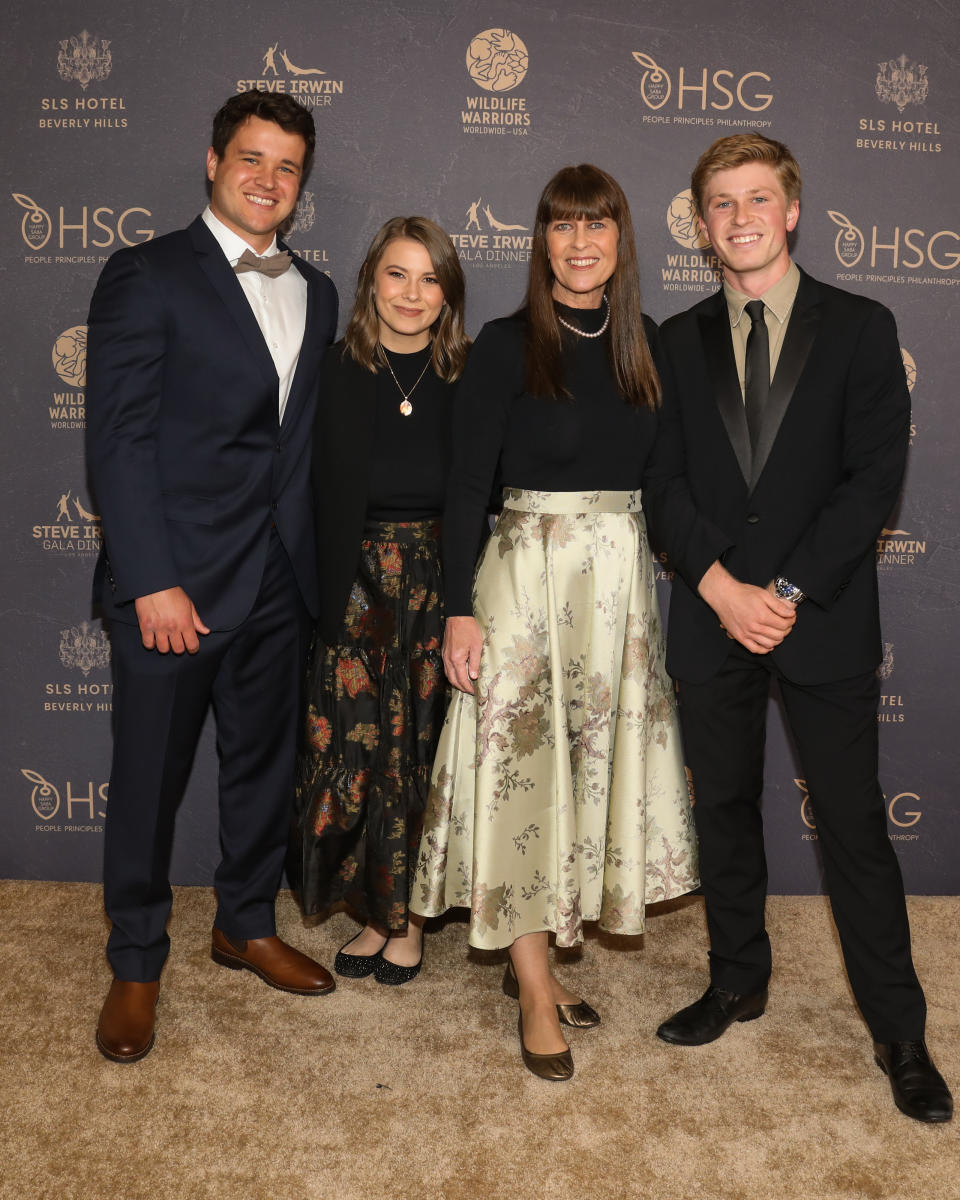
462,112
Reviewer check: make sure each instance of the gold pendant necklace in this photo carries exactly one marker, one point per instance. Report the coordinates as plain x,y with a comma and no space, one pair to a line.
406,407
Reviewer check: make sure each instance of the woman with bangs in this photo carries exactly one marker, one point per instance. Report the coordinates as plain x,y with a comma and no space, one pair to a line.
558,793
375,686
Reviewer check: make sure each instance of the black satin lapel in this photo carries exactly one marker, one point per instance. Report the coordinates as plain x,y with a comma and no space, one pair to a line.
217,269
722,366
801,330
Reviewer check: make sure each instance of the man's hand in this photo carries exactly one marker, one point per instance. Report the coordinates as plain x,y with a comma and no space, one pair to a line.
168,621
462,644
756,617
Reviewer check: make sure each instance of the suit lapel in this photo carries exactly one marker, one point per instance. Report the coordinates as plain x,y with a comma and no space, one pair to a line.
214,264
801,331
722,368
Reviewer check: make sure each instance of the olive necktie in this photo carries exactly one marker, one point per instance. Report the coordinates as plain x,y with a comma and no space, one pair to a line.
757,376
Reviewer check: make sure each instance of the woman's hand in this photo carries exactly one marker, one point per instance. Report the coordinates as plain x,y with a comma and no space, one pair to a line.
462,644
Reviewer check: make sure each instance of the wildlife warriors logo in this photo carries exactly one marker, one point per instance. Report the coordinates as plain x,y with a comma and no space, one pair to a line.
45,798
902,82
849,244
304,214
683,224
83,648
497,60
70,356
36,225
85,59
655,86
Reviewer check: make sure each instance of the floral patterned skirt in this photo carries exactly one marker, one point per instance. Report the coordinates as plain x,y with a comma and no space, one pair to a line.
375,705
558,792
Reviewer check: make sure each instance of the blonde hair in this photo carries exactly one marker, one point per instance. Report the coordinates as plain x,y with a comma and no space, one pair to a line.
450,342
741,148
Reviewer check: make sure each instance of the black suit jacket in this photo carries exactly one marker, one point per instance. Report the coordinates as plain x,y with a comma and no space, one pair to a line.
188,460
813,500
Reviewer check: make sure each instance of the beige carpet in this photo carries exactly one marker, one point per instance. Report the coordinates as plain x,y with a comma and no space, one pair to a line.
419,1091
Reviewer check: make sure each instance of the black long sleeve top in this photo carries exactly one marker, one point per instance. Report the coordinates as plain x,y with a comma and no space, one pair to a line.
593,440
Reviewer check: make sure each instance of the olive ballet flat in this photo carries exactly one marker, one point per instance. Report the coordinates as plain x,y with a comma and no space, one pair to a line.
577,1016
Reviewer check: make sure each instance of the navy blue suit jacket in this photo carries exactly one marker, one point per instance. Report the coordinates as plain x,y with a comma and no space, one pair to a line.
188,460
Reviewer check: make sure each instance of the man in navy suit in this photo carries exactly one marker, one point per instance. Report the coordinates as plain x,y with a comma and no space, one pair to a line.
204,350
785,430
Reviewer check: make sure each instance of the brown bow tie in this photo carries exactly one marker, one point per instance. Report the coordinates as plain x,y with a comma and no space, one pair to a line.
272,265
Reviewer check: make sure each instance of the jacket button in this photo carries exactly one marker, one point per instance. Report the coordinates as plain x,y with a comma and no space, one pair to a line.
279,447
274,506
753,519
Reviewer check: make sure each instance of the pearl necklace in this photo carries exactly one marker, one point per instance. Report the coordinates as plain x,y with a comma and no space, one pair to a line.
406,408
582,332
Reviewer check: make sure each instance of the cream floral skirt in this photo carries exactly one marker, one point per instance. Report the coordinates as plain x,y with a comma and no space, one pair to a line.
558,792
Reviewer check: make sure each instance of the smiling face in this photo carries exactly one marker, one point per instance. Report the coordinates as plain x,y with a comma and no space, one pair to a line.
583,256
257,181
407,295
747,217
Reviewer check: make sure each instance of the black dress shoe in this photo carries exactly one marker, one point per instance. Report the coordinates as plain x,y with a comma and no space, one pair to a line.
710,1016
919,1090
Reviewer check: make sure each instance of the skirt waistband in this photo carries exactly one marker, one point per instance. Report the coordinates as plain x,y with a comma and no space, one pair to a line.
406,533
546,503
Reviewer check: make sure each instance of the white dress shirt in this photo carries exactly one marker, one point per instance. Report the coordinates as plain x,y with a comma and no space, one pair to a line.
279,304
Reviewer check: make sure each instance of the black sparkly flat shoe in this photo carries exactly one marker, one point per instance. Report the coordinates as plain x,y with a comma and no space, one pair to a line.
393,973
356,966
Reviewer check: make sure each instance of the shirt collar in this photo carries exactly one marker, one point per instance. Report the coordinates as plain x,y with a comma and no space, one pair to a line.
232,244
779,298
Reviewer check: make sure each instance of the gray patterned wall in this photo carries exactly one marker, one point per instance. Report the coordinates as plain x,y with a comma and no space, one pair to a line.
462,111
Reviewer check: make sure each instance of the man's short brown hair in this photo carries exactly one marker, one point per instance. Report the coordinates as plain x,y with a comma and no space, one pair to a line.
741,148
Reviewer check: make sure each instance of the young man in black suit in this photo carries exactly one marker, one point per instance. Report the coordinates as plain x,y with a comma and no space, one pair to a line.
204,351
785,438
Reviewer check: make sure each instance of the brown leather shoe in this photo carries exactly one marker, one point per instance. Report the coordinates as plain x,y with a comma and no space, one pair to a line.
279,965
125,1029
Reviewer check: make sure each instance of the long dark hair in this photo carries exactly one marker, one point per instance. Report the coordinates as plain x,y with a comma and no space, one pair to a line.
450,342
587,193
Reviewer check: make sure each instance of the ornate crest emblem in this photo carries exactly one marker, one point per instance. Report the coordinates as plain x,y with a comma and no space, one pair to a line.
84,58
902,82
885,670
304,214
84,648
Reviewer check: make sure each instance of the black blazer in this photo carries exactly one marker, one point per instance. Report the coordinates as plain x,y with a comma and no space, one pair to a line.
812,502
188,460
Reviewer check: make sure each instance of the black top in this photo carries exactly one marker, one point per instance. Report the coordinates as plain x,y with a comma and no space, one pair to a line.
409,454
593,441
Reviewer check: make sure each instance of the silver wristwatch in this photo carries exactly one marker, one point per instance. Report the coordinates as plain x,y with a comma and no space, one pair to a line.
788,591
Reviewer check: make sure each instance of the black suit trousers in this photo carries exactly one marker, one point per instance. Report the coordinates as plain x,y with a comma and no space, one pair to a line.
252,675
834,726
